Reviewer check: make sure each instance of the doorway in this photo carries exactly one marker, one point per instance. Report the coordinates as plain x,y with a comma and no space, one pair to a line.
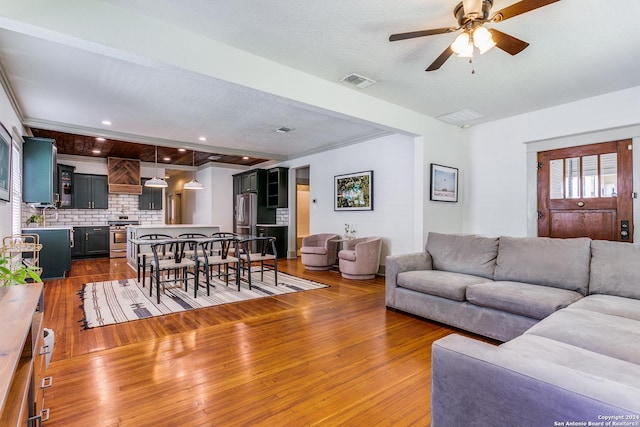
303,204
586,191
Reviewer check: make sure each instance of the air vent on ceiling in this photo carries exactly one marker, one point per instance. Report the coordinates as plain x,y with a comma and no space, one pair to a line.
461,118
357,80
283,129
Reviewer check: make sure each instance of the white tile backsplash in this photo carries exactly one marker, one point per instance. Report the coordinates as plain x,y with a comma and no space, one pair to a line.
118,204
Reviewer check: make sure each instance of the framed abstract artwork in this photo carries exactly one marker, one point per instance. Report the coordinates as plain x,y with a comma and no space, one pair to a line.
5,164
353,192
444,183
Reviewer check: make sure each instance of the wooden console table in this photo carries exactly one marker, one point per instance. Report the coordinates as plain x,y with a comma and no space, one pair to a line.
22,356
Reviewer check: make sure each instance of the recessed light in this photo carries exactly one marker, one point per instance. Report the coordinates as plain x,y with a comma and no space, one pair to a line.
100,139
96,151
214,157
245,158
202,138
166,159
106,122
182,150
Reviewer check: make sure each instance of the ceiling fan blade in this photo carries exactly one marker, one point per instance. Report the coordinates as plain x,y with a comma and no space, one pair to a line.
440,59
519,8
472,7
508,43
422,33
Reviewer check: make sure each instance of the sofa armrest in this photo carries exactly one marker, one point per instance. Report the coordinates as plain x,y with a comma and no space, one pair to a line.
396,264
476,383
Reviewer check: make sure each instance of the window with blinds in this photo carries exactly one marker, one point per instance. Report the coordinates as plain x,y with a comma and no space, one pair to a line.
16,193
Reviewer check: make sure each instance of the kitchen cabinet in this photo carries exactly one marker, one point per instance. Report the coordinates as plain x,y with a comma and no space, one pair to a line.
150,199
38,170
90,191
280,232
64,186
277,188
55,255
91,241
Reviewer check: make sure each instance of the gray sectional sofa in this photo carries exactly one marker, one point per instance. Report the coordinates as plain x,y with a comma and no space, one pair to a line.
566,310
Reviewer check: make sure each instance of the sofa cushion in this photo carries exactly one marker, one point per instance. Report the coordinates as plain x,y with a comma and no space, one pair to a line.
559,263
524,299
439,283
612,305
614,269
576,358
613,336
464,254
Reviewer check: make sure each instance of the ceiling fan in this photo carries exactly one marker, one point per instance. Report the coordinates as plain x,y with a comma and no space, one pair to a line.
471,16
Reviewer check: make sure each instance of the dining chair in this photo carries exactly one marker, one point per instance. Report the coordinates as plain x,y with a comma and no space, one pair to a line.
183,268
215,254
189,250
264,251
145,256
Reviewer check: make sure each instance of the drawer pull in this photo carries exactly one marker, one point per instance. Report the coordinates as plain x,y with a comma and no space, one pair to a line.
44,414
46,382
44,350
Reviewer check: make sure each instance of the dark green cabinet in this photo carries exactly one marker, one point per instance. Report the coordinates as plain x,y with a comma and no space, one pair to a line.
90,191
277,231
38,170
277,188
90,241
55,255
150,199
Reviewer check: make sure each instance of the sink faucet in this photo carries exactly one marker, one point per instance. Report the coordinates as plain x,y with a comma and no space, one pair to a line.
44,213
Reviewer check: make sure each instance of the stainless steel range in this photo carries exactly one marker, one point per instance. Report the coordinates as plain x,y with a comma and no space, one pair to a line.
118,234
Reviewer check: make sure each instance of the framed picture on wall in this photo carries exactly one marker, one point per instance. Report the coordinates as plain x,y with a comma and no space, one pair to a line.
5,164
353,192
444,183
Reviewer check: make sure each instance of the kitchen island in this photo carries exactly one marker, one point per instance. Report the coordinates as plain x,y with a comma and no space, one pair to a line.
173,230
55,256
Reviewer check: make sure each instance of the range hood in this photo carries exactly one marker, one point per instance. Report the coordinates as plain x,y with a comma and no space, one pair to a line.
124,176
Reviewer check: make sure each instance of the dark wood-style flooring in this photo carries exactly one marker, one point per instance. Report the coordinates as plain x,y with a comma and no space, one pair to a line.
327,357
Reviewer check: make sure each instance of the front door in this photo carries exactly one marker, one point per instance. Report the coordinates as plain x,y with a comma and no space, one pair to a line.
586,191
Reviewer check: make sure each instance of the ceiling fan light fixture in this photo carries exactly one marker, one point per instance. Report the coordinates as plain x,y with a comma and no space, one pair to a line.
462,45
482,39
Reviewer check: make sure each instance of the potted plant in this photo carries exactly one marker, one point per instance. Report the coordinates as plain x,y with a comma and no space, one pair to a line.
34,220
16,273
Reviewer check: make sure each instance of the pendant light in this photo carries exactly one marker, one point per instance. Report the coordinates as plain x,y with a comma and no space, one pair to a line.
193,184
156,182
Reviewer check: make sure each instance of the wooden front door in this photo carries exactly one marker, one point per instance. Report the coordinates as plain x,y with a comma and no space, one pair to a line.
586,191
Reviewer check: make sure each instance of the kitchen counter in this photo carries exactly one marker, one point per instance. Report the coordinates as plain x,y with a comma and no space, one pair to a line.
271,225
173,230
52,227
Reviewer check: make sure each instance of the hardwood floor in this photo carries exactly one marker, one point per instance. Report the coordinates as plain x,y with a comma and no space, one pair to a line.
334,356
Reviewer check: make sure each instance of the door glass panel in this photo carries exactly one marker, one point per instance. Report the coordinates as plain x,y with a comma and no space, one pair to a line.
556,175
572,177
609,175
590,187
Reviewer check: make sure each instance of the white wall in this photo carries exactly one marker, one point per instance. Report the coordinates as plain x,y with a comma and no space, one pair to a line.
215,202
500,185
391,159
11,122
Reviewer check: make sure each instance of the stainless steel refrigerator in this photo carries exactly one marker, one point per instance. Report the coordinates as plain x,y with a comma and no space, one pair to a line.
246,216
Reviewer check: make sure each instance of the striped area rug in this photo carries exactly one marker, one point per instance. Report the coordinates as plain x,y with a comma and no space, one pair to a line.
117,301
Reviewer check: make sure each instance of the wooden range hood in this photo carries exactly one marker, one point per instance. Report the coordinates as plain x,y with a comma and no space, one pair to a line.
123,176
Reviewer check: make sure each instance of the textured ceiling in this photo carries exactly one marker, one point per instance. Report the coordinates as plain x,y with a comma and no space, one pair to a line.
578,49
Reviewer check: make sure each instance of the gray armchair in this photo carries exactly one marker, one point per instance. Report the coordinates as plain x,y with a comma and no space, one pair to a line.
319,251
360,258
